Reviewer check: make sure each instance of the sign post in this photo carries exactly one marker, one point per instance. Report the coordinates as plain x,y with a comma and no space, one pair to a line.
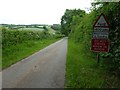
100,41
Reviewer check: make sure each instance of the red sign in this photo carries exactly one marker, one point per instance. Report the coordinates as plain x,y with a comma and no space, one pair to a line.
100,45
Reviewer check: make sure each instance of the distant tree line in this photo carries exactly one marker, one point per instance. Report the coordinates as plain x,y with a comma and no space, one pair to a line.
56,27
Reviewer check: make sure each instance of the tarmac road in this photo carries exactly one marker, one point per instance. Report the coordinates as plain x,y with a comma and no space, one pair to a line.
44,69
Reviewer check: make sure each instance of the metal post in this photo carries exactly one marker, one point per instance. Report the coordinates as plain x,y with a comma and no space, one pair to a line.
98,58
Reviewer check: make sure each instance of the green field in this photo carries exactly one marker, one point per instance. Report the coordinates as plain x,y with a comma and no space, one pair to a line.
82,70
50,30
31,29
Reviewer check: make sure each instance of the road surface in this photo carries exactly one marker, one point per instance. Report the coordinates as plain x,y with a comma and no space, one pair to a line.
44,69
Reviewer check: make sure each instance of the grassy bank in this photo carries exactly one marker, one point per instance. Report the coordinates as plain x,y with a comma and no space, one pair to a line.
17,52
82,70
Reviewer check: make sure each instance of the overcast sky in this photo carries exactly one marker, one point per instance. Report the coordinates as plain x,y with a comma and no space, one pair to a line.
37,11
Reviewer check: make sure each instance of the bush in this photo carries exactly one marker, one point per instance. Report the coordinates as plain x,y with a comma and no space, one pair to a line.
13,37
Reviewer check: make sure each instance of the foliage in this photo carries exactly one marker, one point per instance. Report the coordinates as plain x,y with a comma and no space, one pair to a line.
17,45
112,11
83,72
56,27
45,28
13,54
67,19
13,37
80,30
58,35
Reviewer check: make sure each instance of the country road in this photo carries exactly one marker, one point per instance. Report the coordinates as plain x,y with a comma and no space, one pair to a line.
44,69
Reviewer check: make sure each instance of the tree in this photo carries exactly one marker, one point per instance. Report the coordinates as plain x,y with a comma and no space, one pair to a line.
45,28
67,19
56,27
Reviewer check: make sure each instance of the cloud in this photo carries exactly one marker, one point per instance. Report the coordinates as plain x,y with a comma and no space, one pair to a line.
37,11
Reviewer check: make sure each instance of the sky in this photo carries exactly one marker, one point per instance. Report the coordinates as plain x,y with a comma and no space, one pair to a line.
38,11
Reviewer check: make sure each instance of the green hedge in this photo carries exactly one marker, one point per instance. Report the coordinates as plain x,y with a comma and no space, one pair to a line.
13,37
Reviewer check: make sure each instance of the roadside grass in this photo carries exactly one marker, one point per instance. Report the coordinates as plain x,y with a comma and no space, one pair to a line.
15,53
82,70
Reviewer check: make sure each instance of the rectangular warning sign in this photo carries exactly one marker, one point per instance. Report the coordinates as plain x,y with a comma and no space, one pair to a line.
100,45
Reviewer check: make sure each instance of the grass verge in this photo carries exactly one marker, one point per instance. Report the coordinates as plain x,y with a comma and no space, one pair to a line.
82,70
15,53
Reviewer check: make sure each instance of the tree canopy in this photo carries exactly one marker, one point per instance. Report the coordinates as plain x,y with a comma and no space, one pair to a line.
67,19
